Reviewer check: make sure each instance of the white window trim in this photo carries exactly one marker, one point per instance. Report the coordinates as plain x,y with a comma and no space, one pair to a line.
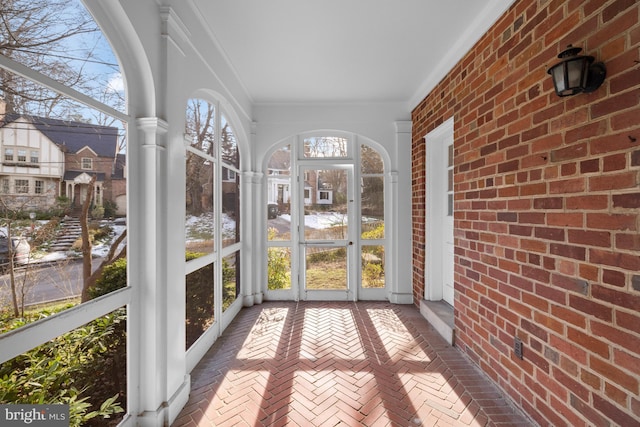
86,159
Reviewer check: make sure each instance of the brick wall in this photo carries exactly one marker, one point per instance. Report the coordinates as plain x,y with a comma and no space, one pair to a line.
547,202
73,161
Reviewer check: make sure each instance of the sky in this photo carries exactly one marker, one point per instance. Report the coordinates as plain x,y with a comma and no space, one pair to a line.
88,53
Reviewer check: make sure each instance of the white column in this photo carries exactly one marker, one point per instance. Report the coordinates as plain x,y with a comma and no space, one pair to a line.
173,270
401,289
253,207
163,381
147,329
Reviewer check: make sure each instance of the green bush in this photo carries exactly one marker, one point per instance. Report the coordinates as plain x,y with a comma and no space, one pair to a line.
372,273
97,212
102,233
199,300
70,369
328,255
110,209
278,275
229,285
114,277
278,261
193,255
62,207
376,233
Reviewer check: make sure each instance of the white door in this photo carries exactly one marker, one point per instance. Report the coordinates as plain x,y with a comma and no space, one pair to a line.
439,216
326,236
447,262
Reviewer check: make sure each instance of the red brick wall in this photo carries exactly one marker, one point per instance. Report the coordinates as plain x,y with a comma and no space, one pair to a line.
73,161
547,224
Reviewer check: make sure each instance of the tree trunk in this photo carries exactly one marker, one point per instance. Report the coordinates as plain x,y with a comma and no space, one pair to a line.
12,276
86,241
110,259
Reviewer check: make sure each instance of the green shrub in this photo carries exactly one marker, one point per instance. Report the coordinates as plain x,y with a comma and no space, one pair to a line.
229,285
97,212
70,369
278,275
199,301
102,233
330,255
376,233
114,277
193,255
62,207
372,273
110,209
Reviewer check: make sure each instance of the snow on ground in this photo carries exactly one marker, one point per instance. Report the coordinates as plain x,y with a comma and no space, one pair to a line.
52,256
321,220
99,250
196,228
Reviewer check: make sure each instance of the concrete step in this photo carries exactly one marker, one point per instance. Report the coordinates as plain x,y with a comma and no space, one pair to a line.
71,231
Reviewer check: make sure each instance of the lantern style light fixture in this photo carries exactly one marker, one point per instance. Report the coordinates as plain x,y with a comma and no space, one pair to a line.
576,73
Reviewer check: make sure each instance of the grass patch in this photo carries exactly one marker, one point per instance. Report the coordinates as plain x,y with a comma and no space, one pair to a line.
327,276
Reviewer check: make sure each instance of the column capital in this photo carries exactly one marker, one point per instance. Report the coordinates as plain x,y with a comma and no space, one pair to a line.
156,124
403,126
152,127
254,177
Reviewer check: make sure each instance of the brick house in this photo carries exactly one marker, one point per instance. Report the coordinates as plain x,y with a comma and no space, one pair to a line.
546,211
47,158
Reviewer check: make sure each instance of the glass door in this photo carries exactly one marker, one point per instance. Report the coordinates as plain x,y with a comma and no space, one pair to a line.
325,235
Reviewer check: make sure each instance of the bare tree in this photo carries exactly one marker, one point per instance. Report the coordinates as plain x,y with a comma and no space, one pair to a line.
229,146
18,290
86,239
200,126
58,38
88,277
12,274
111,257
325,146
114,96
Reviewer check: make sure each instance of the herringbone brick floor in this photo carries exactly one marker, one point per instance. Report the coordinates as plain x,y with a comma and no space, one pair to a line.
339,364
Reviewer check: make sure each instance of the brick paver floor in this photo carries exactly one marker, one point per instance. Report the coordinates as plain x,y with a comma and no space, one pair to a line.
339,364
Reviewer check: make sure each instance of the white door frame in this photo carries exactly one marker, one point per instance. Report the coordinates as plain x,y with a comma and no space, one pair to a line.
350,294
437,225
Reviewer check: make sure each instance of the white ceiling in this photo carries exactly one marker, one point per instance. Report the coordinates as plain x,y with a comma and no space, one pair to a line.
289,51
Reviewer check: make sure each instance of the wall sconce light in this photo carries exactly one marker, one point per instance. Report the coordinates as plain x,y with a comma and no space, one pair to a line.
576,73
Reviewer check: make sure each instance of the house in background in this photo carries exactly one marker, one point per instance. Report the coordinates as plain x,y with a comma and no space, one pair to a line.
43,159
279,180
316,190
32,166
119,184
